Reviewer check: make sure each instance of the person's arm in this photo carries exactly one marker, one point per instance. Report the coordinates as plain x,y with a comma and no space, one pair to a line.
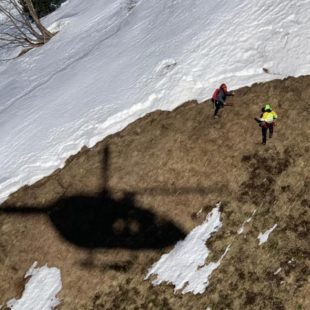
230,93
261,118
274,114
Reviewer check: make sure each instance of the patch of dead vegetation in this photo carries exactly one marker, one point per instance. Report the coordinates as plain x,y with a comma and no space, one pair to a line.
173,167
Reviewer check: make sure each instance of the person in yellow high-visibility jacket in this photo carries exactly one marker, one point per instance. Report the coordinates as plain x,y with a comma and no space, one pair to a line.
267,121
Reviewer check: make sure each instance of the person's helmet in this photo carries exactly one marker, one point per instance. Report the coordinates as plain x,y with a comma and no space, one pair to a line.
268,107
224,86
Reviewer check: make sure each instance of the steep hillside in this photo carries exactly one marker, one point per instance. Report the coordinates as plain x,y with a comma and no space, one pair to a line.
114,209
113,62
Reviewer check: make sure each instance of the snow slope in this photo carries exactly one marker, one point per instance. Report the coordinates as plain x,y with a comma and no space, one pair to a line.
114,61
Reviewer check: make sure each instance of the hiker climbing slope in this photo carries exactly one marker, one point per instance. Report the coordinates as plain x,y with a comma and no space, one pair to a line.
267,121
219,98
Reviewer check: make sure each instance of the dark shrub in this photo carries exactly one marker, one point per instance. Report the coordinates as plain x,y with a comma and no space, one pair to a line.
43,7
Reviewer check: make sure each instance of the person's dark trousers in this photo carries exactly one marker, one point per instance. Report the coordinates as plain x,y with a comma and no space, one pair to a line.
270,131
264,132
217,105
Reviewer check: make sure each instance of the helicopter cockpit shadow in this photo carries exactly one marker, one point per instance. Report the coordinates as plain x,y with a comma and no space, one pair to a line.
105,222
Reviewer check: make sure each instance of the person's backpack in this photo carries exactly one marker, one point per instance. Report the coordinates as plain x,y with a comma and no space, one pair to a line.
215,94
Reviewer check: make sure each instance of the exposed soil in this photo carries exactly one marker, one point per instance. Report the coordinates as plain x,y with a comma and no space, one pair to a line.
114,209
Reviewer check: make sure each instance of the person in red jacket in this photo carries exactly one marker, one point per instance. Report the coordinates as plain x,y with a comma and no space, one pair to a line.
219,98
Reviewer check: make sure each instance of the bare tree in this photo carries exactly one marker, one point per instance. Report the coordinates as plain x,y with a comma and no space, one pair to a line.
20,27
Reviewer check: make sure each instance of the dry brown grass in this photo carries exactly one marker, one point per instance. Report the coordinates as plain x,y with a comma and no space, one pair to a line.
174,164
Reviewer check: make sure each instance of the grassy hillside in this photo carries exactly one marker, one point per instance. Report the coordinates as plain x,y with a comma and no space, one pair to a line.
114,209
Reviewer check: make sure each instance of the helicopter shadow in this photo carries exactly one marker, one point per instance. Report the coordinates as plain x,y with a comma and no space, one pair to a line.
102,221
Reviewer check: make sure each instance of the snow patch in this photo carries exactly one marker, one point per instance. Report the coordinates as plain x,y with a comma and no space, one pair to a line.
57,26
40,291
264,237
184,266
241,229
